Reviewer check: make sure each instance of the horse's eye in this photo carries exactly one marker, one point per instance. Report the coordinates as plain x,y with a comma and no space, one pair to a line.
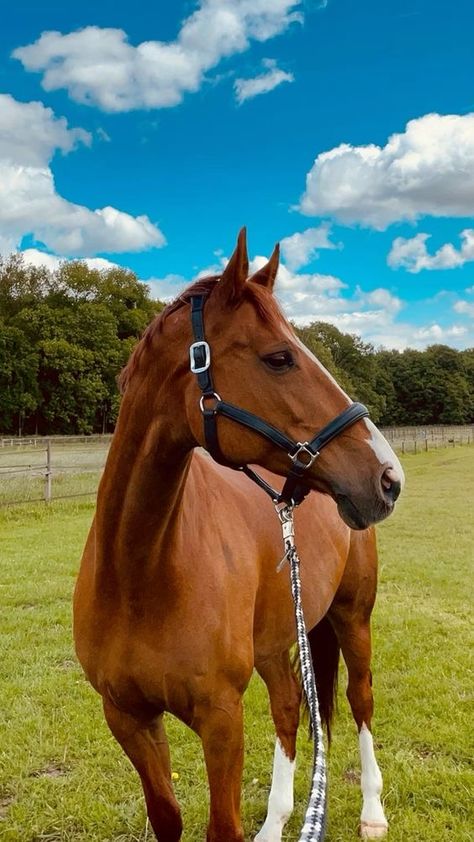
279,361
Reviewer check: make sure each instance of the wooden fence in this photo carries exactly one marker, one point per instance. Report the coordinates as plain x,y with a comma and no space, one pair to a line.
35,468
419,439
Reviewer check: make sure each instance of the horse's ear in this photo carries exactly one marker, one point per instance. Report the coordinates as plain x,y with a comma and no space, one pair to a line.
267,274
234,276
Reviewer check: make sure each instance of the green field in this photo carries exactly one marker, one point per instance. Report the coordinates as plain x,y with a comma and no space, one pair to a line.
62,776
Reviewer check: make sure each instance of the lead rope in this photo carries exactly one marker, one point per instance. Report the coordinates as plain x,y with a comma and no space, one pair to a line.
314,827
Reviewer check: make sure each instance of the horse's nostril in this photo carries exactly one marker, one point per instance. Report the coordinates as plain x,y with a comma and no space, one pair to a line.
391,485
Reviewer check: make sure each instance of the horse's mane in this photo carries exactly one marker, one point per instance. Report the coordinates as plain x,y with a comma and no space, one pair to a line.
265,305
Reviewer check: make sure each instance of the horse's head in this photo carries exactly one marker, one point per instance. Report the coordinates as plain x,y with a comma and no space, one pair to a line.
259,364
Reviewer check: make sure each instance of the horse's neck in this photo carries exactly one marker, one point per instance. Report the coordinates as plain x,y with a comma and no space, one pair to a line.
141,491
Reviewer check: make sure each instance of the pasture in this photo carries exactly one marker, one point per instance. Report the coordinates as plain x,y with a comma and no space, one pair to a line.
63,777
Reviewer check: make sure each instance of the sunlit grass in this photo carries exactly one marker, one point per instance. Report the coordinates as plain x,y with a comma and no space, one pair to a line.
63,777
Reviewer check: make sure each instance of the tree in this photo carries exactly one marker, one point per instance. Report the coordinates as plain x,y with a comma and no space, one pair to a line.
467,357
19,392
72,330
21,285
72,390
427,387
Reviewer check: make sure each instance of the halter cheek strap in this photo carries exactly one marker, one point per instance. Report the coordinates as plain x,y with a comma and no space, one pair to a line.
301,454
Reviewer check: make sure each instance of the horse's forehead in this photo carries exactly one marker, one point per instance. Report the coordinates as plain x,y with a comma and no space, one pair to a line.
248,321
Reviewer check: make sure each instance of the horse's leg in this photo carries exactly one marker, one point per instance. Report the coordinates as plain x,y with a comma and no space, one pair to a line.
147,747
220,727
285,698
350,617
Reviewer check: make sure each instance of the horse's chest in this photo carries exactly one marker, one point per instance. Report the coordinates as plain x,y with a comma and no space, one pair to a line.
147,668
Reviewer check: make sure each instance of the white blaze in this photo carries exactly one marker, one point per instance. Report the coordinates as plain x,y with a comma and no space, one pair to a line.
383,451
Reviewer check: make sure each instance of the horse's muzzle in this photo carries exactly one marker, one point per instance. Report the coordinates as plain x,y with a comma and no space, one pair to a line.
360,512
391,485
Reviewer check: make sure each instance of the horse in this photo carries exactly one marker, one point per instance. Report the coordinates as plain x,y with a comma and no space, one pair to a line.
178,598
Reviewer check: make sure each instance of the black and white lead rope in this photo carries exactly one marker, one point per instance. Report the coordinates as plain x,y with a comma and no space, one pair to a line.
314,826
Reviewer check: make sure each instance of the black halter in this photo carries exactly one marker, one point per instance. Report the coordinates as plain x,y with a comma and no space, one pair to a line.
301,454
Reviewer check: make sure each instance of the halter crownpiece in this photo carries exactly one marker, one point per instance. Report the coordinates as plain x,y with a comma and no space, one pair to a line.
301,454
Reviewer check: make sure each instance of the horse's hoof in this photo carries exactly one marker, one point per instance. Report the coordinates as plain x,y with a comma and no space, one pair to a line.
373,830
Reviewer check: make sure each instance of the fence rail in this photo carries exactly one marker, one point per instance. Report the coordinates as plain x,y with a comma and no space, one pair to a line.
41,441
418,439
39,469
70,466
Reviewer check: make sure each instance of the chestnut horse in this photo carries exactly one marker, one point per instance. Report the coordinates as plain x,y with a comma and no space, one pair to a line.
178,597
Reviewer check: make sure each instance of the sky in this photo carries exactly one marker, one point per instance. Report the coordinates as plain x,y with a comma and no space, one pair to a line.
146,135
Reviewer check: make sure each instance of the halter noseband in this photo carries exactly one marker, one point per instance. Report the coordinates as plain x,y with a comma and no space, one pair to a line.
301,454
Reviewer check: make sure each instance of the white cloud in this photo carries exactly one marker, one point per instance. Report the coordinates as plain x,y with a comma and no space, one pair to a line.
436,333
426,170
374,315
30,134
301,248
464,307
413,255
264,83
313,297
167,288
102,135
34,257
405,335
100,67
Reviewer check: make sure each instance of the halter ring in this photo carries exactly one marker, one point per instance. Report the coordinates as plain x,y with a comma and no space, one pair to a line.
211,396
302,447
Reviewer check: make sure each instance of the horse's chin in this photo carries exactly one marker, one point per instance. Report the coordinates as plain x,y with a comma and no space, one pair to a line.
354,518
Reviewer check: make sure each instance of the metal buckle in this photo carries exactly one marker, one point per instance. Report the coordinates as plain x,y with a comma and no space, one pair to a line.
197,369
303,448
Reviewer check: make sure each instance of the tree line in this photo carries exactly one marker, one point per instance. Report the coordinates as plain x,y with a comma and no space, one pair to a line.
66,334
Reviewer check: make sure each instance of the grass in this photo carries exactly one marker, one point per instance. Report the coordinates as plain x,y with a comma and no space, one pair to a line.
63,777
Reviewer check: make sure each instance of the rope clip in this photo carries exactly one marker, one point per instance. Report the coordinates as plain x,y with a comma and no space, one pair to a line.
285,516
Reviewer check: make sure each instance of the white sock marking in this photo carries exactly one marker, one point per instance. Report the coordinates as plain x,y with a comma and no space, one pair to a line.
370,781
280,801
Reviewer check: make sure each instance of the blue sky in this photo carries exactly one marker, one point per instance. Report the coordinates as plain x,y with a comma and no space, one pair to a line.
147,135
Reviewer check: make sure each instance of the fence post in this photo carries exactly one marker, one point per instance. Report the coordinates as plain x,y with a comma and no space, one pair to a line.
47,476
426,445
